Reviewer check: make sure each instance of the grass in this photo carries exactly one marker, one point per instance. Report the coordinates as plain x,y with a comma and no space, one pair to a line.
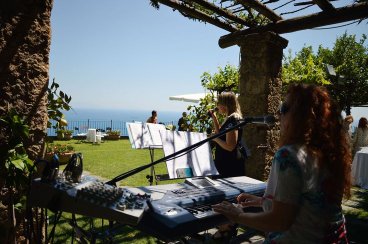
108,160
111,158
356,214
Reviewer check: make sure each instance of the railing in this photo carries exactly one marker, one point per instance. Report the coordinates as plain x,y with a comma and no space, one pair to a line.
82,126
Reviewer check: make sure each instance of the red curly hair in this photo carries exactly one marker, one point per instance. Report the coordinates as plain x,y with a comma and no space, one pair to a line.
316,122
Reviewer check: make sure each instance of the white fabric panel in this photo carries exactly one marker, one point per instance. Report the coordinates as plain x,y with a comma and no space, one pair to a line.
199,160
172,142
154,130
142,135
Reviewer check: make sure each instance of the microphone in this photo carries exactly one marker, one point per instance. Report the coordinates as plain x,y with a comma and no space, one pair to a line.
267,119
212,111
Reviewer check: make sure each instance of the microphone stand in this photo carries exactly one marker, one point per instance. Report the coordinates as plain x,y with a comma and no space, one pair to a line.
141,168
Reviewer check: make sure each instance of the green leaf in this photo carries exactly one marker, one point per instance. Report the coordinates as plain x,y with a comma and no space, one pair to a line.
18,163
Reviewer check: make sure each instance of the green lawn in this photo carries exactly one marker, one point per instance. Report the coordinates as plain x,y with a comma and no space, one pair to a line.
108,160
111,158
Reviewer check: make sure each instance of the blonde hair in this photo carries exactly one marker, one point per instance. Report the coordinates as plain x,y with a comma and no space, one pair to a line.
230,101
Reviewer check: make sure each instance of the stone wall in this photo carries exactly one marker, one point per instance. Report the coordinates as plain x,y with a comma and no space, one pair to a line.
260,94
25,36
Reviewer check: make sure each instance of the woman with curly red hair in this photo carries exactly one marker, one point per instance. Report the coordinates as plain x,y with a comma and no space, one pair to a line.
310,174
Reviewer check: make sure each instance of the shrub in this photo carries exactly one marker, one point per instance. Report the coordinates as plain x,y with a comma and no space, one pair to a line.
59,148
113,132
64,131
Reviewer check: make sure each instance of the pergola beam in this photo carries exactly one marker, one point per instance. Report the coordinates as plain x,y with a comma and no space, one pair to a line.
325,5
198,14
261,8
348,13
223,12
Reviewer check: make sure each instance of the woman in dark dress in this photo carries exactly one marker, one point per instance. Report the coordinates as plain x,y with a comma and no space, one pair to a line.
227,161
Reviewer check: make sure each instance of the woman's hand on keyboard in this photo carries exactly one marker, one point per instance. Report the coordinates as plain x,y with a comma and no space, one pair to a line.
231,211
248,200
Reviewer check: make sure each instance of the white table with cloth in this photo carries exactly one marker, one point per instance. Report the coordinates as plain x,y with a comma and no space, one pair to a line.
94,136
360,168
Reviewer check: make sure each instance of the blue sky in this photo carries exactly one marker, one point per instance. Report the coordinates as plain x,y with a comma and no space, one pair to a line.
124,54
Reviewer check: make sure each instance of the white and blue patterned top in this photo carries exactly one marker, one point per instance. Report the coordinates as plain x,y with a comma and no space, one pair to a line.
295,179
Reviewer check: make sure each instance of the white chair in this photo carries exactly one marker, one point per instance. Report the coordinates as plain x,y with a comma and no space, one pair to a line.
91,135
99,137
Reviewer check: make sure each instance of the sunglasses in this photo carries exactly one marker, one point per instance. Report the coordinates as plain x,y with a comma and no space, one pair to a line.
284,108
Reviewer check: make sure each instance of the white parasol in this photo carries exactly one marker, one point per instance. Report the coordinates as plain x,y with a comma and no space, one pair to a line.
193,98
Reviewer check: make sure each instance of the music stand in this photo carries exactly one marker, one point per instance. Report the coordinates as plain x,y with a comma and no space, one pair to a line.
146,136
269,120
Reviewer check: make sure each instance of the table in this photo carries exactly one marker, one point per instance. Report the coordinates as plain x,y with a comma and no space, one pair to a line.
94,136
91,135
359,170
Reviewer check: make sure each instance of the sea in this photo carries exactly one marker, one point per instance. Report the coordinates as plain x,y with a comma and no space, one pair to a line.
120,115
81,119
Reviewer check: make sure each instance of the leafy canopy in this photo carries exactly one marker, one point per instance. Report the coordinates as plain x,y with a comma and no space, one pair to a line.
306,67
226,79
349,58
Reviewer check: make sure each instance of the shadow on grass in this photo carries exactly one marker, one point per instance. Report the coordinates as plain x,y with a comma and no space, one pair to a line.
356,214
88,230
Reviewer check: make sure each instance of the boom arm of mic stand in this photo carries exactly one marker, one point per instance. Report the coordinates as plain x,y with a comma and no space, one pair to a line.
141,168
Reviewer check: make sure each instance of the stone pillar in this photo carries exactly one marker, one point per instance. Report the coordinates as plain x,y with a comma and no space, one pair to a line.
25,36
260,94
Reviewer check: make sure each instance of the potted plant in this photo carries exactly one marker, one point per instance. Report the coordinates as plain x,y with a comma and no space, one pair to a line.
112,135
64,152
58,101
170,127
64,134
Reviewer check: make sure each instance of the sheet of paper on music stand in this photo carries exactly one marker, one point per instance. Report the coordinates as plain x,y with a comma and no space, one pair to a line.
154,130
199,160
140,136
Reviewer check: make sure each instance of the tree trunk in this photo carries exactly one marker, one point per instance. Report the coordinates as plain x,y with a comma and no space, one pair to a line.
25,36
24,63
